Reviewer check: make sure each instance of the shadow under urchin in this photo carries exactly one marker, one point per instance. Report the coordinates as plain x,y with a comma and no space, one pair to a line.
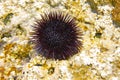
56,36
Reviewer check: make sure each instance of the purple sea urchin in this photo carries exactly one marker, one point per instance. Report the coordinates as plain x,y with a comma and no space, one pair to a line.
56,36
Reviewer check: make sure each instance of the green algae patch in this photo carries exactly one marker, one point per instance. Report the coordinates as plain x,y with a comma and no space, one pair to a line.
7,18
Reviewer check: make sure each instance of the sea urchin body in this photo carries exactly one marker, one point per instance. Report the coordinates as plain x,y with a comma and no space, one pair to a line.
57,36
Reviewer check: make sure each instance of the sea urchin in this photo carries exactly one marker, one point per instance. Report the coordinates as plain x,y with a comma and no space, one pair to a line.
57,36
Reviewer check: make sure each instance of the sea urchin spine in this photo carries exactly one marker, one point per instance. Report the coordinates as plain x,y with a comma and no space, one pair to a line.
57,36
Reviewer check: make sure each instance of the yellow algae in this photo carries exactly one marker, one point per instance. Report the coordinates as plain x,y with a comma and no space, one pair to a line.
116,12
75,9
8,47
103,2
116,62
17,51
53,3
51,70
93,5
83,72
9,70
